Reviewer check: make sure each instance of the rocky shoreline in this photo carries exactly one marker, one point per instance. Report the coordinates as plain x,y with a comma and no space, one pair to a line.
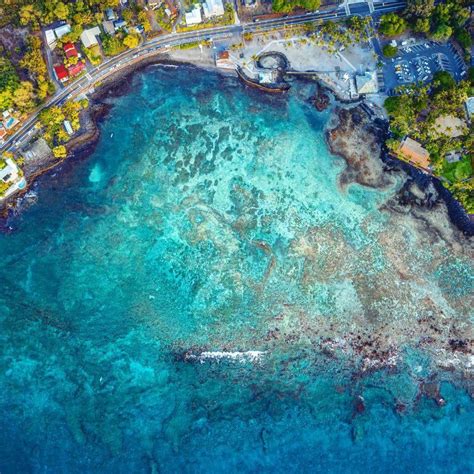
83,143
351,134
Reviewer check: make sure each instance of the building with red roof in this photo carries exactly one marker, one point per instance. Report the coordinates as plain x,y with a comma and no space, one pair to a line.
61,73
70,50
75,69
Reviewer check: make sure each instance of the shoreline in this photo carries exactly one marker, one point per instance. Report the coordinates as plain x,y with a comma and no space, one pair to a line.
376,354
84,142
119,84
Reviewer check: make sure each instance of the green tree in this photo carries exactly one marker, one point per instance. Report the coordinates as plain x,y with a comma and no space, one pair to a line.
8,76
285,6
422,25
127,15
112,45
390,51
419,9
73,36
470,75
23,97
60,151
131,41
33,59
442,80
29,15
463,38
391,24
61,11
144,21
6,100
442,33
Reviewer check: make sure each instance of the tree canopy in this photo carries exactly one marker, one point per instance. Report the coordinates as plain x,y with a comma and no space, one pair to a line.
285,6
390,51
392,24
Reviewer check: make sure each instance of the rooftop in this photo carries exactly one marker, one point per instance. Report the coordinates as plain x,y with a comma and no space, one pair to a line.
194,16
414,152
367,83
470,107
75,69
61,72
89,37
70,50
213,8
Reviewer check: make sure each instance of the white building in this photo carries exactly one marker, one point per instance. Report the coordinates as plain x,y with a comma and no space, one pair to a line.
10,174
108,27
50,38
470,108
367,83
68,127
89,37
213,8
194,16
54,33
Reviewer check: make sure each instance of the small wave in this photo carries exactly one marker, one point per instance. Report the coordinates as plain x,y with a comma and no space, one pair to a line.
247,356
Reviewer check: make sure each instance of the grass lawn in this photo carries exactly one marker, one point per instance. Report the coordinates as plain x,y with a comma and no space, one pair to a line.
455,172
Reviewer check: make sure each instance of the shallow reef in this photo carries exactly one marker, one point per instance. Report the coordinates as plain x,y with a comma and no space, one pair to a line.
212,291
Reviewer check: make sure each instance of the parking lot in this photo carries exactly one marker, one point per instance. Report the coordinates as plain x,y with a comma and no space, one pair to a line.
418,63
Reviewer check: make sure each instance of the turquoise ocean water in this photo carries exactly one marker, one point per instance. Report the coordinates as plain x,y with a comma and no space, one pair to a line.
211,221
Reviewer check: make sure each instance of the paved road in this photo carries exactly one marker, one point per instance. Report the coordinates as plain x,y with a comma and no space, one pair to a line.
161,44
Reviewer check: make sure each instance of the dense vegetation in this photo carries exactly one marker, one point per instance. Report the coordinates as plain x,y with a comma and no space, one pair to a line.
52,121
39,12
23,84
416,112
392,24
389,51
285,6
336,35
439,21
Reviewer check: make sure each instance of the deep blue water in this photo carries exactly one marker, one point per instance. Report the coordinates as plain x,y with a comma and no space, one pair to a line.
212,221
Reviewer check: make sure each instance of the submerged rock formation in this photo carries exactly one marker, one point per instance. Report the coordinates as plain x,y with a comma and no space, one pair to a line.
358,140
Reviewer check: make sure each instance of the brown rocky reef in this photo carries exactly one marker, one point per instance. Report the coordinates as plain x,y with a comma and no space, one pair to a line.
358,140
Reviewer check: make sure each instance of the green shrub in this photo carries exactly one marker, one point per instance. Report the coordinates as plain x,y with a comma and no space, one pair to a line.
389,51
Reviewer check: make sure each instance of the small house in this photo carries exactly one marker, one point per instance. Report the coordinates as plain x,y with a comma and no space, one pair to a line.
108,27
119,24
469,108
110,14
223,60
89,37
70,50
50,38
171,9
68,127
194,16
10,174
62,30
414,153
8,121
75,69
213,8
61,73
